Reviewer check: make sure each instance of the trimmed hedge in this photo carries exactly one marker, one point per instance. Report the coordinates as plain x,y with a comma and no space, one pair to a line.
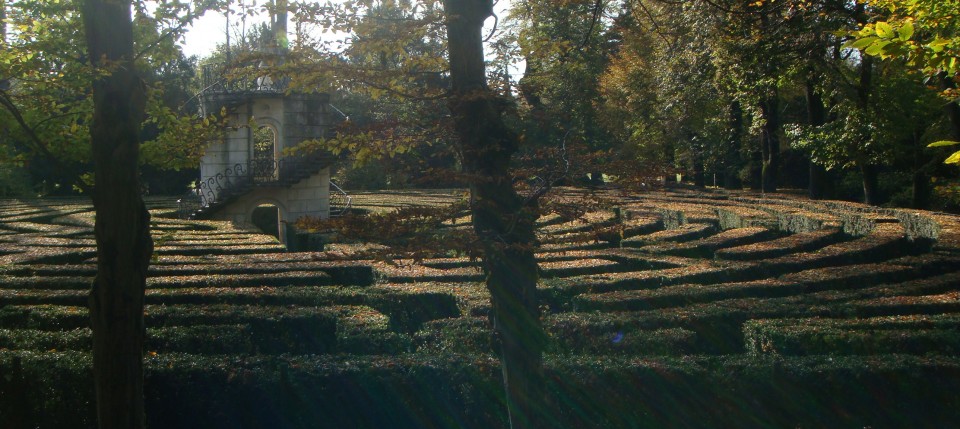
685,294
241,249
794,243
46,282
705,247
893,334
317,335
407,309
683,233
732,217
948,302
463,335
575,334
702,273
452,391
363,330
850,276
875,247
270,347
291,278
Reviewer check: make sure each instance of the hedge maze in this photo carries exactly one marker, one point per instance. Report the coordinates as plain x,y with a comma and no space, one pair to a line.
677,309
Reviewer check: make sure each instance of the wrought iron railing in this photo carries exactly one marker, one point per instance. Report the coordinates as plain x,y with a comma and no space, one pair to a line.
222,183
188,204
340,201
240,178
240,78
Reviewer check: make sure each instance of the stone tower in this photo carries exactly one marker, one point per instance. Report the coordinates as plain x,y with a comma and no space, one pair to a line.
246,167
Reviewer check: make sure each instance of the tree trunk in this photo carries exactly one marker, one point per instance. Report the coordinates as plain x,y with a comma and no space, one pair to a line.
871,187
816,116
503,220
819,182
122,226
871,184
732,160
755,166
3,22
921,192
770,142
696,155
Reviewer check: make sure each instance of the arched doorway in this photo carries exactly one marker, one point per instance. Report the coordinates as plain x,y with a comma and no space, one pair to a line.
264,160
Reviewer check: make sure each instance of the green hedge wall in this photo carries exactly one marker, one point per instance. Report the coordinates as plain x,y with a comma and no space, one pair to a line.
52,390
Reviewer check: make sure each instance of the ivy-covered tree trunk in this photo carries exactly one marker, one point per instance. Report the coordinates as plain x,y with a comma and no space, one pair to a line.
122,226
503,220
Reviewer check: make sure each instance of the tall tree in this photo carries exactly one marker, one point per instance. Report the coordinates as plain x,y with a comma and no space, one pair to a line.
566,50
502,219
122,228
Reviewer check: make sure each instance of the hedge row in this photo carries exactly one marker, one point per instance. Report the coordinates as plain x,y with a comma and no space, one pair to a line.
703,273
452,391
288,278
241,249
407,309
809,281
705,247
876,247
49,255
793,243
267,329
718,324
347,273
242,339
684,294
683,233
278,279
893,334
732,217
47,229
948,302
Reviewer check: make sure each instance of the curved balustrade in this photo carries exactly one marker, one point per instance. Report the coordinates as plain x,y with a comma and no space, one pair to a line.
240,78
237,180
340,201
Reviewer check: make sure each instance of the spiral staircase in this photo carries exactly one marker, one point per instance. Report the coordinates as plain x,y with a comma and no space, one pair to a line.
230,184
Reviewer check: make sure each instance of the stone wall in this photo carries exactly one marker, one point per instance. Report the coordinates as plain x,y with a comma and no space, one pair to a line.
295,118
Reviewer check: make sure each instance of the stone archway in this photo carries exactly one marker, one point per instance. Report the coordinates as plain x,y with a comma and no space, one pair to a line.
269,216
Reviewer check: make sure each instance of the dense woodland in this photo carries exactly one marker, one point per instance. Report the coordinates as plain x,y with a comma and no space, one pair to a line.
852,100
840,99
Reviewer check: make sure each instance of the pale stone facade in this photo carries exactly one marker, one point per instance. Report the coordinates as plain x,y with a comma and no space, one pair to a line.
290,119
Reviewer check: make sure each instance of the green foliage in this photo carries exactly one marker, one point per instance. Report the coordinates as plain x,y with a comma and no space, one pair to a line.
952,159
903,114
44,64
14,181
924,34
